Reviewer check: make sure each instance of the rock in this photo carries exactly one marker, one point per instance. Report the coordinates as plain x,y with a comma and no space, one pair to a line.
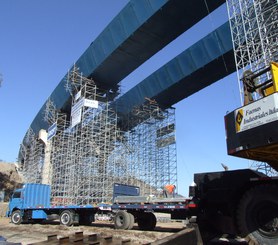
10,178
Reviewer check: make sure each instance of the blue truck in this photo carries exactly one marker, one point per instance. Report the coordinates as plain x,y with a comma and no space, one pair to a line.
32,203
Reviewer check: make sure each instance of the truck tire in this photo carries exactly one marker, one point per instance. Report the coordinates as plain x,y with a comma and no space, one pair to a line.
122,220
146,221
131,224
66,218
257,215
16,217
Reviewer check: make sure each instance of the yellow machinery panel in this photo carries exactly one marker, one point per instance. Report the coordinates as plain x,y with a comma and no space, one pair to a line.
274,72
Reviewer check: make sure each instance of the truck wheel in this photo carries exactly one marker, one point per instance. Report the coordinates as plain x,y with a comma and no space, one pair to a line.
122,220
16,217
146,221
131,224
257,215
66,218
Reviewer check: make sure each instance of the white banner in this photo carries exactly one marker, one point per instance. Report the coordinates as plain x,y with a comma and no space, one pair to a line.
76,109
77,106
75,117
77,96
76,112
52,131
257,113
91,103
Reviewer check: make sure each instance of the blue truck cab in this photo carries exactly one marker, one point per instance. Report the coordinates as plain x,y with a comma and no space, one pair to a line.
28,203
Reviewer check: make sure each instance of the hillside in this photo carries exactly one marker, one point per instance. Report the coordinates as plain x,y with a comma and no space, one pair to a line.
9,178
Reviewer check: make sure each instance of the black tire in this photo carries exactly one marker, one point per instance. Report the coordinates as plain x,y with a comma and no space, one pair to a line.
66,218
16,217
122,220
257,215
131,224
146,221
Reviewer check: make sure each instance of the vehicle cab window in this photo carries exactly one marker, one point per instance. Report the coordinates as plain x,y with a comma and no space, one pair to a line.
16,194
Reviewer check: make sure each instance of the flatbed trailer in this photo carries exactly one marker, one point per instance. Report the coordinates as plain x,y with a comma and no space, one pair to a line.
32,204
239,203
128,212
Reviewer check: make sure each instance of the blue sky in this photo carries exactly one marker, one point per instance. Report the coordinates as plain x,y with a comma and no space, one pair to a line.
39,42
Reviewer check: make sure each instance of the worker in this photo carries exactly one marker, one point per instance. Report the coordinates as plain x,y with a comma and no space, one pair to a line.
169,190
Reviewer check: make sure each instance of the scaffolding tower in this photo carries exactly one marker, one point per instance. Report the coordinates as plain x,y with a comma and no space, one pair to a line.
263,167
32,151
254,31
82,145
151,144
87,152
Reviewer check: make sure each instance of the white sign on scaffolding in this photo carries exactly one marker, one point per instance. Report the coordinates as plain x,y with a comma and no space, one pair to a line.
52,131
75,117
77,96
91,103
76,109
76,112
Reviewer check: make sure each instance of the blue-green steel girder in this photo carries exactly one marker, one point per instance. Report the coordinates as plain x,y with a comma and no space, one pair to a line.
140,30
202,64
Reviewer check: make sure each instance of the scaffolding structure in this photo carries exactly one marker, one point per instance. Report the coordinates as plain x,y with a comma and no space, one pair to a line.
151,147
58,145
255,36
87,152
263,167
32,150
82,145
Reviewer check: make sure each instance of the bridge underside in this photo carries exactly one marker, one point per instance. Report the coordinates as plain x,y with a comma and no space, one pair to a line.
140,30
202,64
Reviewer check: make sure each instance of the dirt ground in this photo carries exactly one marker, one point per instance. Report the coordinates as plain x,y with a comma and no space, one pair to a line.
31,233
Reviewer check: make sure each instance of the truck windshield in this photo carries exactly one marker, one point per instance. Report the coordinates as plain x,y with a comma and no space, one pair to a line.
16,194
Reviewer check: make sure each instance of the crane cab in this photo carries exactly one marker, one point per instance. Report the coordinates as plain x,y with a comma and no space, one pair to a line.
252,130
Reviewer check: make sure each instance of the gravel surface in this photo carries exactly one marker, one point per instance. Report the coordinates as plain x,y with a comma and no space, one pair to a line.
31,233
